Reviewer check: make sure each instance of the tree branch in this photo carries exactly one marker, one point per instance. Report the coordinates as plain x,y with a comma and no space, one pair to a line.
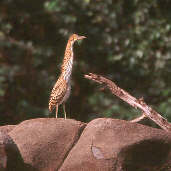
140,118
136,103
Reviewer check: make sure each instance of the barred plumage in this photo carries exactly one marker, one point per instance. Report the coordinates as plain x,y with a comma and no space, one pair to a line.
57,94
62,87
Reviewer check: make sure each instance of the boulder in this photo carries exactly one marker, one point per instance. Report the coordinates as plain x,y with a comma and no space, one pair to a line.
10,159
117,145
3,155
44,143
7,128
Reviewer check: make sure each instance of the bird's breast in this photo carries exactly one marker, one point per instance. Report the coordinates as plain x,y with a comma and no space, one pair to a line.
68,69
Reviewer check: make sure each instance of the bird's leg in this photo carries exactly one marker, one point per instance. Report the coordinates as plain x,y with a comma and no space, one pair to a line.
56,110
64,110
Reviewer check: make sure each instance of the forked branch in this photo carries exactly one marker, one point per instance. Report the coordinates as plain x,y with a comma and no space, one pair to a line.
136,103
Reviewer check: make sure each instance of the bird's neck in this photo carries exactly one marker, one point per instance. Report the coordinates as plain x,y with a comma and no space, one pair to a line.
66,68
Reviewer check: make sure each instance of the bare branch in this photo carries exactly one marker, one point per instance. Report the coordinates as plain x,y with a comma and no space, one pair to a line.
140,118
136,103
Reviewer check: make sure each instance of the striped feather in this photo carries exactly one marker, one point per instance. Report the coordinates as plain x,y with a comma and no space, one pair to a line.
58,93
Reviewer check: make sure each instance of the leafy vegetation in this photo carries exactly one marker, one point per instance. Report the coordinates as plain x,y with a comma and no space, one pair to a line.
127,41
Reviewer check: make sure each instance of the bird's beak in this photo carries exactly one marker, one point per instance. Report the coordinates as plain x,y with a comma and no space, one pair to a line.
81,37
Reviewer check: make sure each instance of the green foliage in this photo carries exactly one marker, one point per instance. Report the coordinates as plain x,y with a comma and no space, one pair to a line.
127,41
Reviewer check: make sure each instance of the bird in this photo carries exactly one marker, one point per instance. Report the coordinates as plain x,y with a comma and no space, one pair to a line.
62,88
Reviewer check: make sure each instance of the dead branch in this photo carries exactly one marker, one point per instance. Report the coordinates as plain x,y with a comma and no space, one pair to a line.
136,103
140,118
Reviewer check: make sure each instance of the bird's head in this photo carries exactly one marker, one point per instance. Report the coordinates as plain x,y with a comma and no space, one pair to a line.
75,37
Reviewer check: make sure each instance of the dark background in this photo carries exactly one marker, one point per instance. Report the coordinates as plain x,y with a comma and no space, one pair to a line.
127,41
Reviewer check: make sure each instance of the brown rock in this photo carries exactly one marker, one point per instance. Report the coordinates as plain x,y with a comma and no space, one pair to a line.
7,128
116,145
3,155
10,158
45,142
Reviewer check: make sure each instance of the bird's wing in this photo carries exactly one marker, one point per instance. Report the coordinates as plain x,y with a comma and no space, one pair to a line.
57,94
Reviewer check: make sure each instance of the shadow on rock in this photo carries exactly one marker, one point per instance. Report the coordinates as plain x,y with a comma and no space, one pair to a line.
10,154
145,154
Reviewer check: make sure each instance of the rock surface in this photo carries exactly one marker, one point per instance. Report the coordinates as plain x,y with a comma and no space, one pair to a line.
50,144
3,155
44,143
10,158
7,128
5,141
116,145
